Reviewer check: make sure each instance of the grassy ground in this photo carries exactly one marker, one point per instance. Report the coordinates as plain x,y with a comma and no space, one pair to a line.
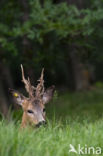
72,119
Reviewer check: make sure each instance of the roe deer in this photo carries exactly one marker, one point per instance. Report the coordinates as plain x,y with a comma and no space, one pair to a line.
34,105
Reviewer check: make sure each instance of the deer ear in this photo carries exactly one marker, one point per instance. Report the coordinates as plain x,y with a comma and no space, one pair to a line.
48,94
18,97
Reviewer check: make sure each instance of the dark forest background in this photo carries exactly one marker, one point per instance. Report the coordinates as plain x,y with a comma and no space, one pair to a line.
63,36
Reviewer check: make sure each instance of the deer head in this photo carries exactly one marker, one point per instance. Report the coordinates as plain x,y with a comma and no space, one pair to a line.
34,105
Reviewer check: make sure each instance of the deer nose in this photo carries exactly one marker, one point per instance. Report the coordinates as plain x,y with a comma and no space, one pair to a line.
41,123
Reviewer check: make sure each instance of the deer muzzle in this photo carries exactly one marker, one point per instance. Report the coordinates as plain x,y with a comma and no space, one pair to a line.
41,123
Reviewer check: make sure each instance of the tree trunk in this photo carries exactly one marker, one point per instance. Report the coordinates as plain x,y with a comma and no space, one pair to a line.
80,74
6,82
27,51
3,101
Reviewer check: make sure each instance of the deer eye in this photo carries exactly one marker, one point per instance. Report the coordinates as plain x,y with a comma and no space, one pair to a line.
44,110
30,111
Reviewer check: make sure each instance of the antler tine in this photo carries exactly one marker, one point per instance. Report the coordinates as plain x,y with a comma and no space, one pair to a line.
29,88
40,86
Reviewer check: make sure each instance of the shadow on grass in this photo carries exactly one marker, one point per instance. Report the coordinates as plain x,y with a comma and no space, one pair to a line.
80,107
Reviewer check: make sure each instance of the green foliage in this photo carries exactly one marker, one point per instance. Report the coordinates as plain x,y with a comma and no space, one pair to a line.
63,21
99,84
51,30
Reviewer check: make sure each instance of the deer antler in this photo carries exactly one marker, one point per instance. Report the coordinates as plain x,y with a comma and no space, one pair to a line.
29,88
40,87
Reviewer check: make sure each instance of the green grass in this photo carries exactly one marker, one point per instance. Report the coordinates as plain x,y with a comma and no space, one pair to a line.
73,118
